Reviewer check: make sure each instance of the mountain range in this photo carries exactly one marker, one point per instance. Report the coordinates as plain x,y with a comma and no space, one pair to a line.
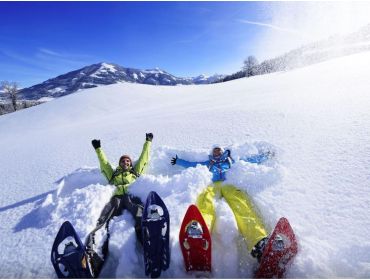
106,74
110,73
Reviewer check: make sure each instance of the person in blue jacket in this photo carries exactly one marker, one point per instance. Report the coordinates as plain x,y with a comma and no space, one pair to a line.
220,162
249,223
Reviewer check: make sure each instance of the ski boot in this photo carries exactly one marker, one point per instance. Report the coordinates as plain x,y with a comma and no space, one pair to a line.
258,249
277,245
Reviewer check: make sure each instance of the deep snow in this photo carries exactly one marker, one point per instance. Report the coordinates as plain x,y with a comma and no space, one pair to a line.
315,118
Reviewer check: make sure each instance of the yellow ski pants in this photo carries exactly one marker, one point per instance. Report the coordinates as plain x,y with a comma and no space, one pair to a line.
249,223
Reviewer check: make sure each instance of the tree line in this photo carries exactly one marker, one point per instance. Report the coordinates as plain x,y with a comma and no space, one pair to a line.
251,67
10,98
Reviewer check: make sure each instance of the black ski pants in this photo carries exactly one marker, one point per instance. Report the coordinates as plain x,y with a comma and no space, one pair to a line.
115,207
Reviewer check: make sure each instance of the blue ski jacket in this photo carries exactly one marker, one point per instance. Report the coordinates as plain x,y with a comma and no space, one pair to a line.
219,167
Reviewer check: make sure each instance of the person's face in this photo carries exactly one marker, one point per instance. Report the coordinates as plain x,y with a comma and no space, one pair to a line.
217,152
125,163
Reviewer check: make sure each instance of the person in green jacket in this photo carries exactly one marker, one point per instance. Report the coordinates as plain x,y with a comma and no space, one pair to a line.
122,177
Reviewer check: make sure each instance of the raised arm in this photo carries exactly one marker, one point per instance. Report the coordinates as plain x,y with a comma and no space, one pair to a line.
186,164
141,164
105,167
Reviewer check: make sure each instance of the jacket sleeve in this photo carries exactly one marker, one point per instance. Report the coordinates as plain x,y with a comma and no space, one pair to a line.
141,164
258,158
105,166
186,164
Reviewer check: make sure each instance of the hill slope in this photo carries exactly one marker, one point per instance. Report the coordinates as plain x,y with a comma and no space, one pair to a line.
316,119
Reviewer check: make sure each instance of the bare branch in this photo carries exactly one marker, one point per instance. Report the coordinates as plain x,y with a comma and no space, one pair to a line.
11,90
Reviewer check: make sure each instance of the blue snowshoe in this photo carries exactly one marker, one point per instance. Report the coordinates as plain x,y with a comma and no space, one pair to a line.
70,258
155,230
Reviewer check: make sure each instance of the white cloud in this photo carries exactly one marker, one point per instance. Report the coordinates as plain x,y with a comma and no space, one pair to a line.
49,52
275,27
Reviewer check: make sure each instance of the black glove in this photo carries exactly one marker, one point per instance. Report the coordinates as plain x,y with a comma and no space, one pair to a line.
149,136
95,143
173,160
228,153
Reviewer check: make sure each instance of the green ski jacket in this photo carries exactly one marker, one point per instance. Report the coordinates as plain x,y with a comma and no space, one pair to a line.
123,179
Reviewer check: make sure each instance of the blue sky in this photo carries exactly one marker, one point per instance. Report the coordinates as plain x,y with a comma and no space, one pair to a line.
40,40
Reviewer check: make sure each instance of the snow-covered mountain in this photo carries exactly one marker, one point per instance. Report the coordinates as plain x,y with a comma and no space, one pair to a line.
106,74
204,79
316,118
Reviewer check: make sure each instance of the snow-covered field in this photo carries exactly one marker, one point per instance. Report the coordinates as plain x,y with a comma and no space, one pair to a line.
316,119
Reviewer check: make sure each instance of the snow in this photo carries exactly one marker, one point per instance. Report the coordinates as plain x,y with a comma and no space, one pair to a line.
339,47
104,68
45,99
201,77
316,119
88,84
57,89
109,67
154,71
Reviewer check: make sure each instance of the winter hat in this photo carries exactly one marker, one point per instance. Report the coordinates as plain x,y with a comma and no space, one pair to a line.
217,146
125,156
